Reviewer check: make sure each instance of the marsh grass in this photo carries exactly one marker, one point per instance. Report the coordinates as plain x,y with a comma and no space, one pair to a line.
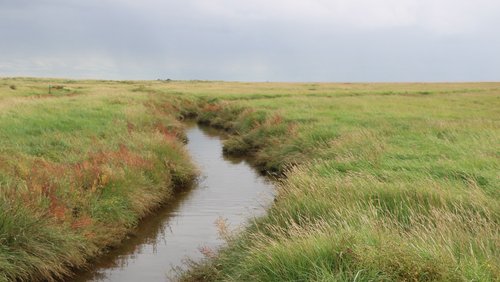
78,169
385,182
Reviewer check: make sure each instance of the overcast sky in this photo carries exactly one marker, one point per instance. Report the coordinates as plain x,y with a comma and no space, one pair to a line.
254,40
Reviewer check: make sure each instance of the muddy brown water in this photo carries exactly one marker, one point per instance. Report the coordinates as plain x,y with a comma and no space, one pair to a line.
228,188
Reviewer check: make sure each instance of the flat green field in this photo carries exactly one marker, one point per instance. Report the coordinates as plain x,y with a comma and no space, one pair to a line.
392,182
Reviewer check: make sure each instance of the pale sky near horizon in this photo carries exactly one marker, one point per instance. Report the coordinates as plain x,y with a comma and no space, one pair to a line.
272,40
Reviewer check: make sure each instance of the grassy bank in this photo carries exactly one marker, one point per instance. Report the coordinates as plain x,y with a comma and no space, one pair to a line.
381,181
395,182
79,166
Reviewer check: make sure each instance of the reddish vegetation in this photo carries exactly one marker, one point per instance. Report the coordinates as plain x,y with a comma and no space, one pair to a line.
276,119
47,178
122,156
82,222
57,210
169,134
212,107
130,127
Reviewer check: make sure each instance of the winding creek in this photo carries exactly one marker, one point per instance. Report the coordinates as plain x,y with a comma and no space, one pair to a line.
228,188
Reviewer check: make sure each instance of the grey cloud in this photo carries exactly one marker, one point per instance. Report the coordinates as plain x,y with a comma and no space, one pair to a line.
259,40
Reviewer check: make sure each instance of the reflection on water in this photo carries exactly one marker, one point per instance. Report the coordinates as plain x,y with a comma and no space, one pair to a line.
227,188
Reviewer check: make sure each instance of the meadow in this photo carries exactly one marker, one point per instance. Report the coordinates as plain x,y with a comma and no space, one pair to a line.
391,182
79,167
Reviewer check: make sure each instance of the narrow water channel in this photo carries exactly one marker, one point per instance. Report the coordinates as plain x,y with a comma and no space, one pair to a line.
228,188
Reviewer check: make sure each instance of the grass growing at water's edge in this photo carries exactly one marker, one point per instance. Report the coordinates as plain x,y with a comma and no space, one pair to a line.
382,181
78,168
394,182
